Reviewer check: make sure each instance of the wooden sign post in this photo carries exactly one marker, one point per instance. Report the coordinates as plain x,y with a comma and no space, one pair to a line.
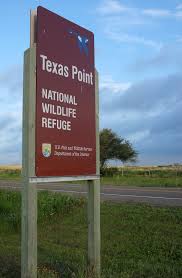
29,191
39,153
94,200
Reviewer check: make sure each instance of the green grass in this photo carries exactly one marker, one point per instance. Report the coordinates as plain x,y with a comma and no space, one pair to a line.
138,241
10,174
136,177
142,181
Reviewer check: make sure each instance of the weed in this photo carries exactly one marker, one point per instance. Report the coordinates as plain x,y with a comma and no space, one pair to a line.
137,241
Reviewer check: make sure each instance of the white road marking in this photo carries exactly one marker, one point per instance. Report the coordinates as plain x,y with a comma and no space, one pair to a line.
148,197
163,190
120,195
110,194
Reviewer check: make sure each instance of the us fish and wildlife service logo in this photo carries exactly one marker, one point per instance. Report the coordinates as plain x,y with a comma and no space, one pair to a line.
46,149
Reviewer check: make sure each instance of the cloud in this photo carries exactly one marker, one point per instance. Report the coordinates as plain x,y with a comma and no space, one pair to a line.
157,12
13,75
10,140
11,115
168,56
163,13
179,39
134,39
117,20
111,7
107,83
114,7
148,114
132,25
179,7
178,14
151,95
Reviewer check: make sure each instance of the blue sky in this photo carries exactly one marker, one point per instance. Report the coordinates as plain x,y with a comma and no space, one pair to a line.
138,53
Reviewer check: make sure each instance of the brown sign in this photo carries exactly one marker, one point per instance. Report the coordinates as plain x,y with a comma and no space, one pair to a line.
65,98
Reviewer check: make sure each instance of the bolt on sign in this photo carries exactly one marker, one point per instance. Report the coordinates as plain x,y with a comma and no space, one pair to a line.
65,98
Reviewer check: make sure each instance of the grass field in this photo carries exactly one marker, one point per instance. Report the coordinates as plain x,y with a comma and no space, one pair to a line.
138,241
166,176
142,181
126,176
10,172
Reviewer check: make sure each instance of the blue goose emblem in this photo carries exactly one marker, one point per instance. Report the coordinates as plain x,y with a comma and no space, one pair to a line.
82,42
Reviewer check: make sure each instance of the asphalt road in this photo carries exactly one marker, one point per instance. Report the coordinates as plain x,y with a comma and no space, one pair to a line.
151,195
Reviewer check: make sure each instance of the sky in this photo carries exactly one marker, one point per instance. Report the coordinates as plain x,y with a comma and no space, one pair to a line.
138,53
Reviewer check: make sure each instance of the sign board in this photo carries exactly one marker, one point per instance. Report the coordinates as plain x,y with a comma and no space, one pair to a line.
60,126
65,98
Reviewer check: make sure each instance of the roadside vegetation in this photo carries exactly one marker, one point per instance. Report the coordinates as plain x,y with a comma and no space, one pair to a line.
164,176
137,240
114,147
10,172
157,176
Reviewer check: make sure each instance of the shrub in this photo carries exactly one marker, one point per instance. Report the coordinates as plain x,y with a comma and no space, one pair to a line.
109,171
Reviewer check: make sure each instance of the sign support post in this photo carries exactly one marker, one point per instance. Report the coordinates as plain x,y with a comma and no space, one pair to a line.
29,191
94,202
